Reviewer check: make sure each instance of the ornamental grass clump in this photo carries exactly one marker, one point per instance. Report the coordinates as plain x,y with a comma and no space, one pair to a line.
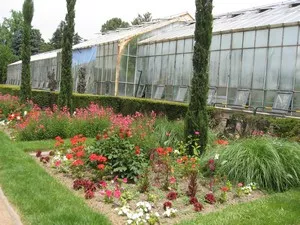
272,163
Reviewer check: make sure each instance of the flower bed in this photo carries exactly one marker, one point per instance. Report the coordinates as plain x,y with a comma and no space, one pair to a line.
135,186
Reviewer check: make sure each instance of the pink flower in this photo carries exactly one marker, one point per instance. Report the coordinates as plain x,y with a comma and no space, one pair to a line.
240,184
117,193
125,180
108,193
57,163
103,184
197,133
172,180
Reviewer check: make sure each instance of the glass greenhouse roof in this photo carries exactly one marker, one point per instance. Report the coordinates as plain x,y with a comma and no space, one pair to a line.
270,15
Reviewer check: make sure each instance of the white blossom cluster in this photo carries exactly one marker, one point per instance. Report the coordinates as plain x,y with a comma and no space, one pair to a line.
140,216
170,212
249,188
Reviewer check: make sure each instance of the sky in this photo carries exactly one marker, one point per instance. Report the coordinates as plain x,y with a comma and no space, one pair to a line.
91,14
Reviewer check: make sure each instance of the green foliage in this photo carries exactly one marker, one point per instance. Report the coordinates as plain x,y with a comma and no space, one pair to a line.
272,164
25,90
196,117
122,157
6,57
114,24
66,84
146,17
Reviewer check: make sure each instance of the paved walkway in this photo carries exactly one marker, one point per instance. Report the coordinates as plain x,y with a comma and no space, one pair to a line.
7,215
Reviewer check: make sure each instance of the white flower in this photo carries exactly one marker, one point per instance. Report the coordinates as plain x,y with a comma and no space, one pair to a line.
156,214
129,221
217,156
170,212
18,117
25,113
176,152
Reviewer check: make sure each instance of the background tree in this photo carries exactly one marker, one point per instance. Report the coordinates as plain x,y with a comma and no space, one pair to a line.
6,57
57,37
196,118
114,24
146,17
25,90
66,84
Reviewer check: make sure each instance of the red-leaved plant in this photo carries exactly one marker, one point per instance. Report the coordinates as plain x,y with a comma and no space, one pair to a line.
210,198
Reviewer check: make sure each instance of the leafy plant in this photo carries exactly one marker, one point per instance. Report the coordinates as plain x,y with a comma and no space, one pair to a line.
121,154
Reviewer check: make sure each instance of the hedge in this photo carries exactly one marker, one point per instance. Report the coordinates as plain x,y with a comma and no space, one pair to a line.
283,127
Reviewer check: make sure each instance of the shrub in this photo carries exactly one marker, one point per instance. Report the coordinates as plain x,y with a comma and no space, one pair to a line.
272,164
123,158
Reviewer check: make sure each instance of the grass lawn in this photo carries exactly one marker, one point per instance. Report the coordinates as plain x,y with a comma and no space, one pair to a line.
39,198
42,200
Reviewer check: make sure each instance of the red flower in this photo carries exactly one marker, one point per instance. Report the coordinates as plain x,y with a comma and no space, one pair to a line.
160,151
172,180
117,193
78,162
210,198
69,156
193,200
38,154
198,207
103,184
222,142
172,195
105,136
137,150
128,133
80,154
102,158
93,157
225,189
89,194
108,193
167,205
125,180
101,166
169,149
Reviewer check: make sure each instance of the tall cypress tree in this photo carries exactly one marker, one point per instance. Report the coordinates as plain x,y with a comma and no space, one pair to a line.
66,84
196,119
25,92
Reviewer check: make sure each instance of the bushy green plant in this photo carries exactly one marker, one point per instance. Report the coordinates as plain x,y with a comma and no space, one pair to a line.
125,159
273,164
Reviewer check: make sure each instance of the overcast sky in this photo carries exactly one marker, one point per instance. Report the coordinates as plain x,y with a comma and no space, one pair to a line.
91,14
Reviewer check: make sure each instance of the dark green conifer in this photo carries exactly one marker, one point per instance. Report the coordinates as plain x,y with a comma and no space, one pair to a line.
25,90
66,84
196,119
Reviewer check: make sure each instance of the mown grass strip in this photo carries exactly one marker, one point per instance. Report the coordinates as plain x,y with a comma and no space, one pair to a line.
277,209
39,198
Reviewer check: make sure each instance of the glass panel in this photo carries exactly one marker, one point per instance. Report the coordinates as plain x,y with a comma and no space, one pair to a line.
290,36
180,46
214,68
172,47
237,41
261,38
226,41
165,48
188,45
178,70
159,92
187,69
297,85
181,94
224,68
249,37
275,37
131,69
236,67
171,70
288,68
247,68
158,50
165,67
257,98
151,70
242,97
215,42
157,71
259,70
211,96
282,101
273,68
152,49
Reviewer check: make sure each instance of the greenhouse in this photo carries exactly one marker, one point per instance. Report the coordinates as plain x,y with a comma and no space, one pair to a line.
254,61
105,65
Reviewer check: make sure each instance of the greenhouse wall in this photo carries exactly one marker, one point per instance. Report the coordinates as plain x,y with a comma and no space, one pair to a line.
264,61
